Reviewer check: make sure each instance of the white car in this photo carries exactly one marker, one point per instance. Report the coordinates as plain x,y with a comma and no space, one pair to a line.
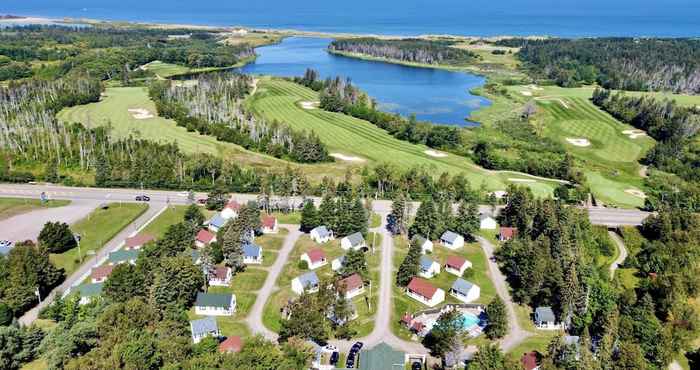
5,243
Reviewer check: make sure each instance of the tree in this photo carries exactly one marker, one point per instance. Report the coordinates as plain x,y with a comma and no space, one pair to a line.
232,245
467,221
194,216
177,239
497,319
29,268
124,283
216,199
51,171
18,345
426,221
249,217
103,173
6,315
397,220
309,217
176,282
629,357
409,266
327,212
57,237
447,327
306,320
490,357
355,262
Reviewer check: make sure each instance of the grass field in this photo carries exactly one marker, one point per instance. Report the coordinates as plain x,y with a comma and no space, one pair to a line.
98,228
171,216
166,70
10,207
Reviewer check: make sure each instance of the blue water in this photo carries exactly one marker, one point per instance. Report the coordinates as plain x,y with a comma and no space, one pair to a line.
670,18
469,320
433,95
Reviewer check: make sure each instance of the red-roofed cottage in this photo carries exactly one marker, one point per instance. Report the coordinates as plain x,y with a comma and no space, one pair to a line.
352,286
138,241
100,274
232,344
269,224
456,265
529,361
424,292
204,237
221,277
507,233
315,258
231,210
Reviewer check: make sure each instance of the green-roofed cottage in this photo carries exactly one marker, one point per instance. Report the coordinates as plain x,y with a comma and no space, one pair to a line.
88,292
208,304
123,256
382,357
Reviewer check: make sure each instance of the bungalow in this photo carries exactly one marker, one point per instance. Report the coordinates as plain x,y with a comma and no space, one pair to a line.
487,222
425,244
204,237
321,234
231,210
203,328
507,233
307,282
530,360
428,268
465,291
232,344
208,304
456,265
452,240
352,286
89,292
216,223
424,292
252,254
138,241
382,356
101,273
338,263
353,241
545,319
269,224
221,277
123,256
314,258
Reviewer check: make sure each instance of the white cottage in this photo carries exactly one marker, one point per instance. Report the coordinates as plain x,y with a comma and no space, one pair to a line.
208,304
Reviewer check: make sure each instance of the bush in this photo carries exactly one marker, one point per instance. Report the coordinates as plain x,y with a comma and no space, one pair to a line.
5,315
57,237
303,265
468,273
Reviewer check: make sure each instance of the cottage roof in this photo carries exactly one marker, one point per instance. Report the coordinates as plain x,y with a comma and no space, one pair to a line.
484,216
508,232
449,236
422,287
545,314
529,360
351,282
221,272
205,236
316,255
101,272
214,300
426,263
356,239
321,231
251,250
268,221
123,255
417,239
462,286
455,262
138,240
204,326
308,279
90,290
233,205
217,221
231,344
382,357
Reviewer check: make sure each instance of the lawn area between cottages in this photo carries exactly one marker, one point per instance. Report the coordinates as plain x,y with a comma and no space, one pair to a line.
171,216
290,218
98,228
10,207
472,252
365,321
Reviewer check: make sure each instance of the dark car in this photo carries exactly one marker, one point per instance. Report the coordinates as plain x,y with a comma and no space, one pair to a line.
334,357
350,362
143,198
416,366
357,346
202,200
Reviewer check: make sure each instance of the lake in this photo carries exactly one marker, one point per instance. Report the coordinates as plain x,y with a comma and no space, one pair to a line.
434,95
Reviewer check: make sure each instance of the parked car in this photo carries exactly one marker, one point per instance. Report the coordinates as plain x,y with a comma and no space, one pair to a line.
5,244
330,348
143,198
416,366
202,200
350,362
357,346
334,358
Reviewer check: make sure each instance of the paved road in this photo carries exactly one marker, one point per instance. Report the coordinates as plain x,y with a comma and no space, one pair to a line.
623,253
516,334
83,271
28,225
254,319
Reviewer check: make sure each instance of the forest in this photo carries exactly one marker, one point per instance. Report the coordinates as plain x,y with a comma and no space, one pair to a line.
406,50
637,64
107,52
213,105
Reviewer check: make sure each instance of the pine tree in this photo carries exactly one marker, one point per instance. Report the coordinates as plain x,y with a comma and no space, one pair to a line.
397,219
232,245
207,263
467,220
355,262
51,171
359,217
497,319
426,221
409,267
327,212
102,171
309,217
440,340
194,216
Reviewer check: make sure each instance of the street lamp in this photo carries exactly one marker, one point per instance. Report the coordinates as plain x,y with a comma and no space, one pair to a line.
77,238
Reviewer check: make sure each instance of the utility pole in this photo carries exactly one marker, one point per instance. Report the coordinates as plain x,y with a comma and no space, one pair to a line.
77,238
369,301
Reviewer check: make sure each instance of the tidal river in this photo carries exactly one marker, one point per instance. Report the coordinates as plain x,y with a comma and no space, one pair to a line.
434,95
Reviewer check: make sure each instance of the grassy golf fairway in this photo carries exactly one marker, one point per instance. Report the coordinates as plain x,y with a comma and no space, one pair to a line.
361,142
15,206
96,230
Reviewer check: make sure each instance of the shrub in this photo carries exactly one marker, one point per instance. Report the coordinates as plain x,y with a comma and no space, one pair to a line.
56,237
303,265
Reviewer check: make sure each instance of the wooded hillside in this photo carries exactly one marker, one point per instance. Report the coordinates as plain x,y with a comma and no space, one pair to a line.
407,50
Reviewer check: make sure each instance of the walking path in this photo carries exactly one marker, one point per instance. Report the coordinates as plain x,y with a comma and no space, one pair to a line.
254,319
84,270
623,253
516,334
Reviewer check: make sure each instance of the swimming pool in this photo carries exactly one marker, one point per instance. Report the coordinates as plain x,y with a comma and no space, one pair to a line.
469,320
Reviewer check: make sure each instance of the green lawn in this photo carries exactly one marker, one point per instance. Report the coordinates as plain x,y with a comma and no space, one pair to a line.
10,207
280,100
171,216
291,218
99,227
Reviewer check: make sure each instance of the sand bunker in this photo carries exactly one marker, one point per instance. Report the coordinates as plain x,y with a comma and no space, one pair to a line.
513,179
309,104
140,113
633,134
346,157
534,87
579,142
526,93
549,98
636,193
436,154
500,194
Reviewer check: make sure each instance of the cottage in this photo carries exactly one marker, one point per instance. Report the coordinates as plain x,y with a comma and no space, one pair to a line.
425,244
231,210
138,241
216,223
382,357
269,224
321,234
204,238
530,361
507,233
352,286
545,319
252,254
338,263
89,292
307,282
452,240
424,292
353,241
428,268
232,344
208,304
203,328
123,256
221,277
456,265
314,258
487,222
100,274
465,291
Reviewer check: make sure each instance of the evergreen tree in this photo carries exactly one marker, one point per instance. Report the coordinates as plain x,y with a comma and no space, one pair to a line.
249,217
177,239
447,327
56,237
177,281
207,263
51,171
232,245
359,218
355,262
397,220
194,216
497,319
467,220
426,221
490,357
123,284
409,267
306,321
103,173
309,217
327,212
